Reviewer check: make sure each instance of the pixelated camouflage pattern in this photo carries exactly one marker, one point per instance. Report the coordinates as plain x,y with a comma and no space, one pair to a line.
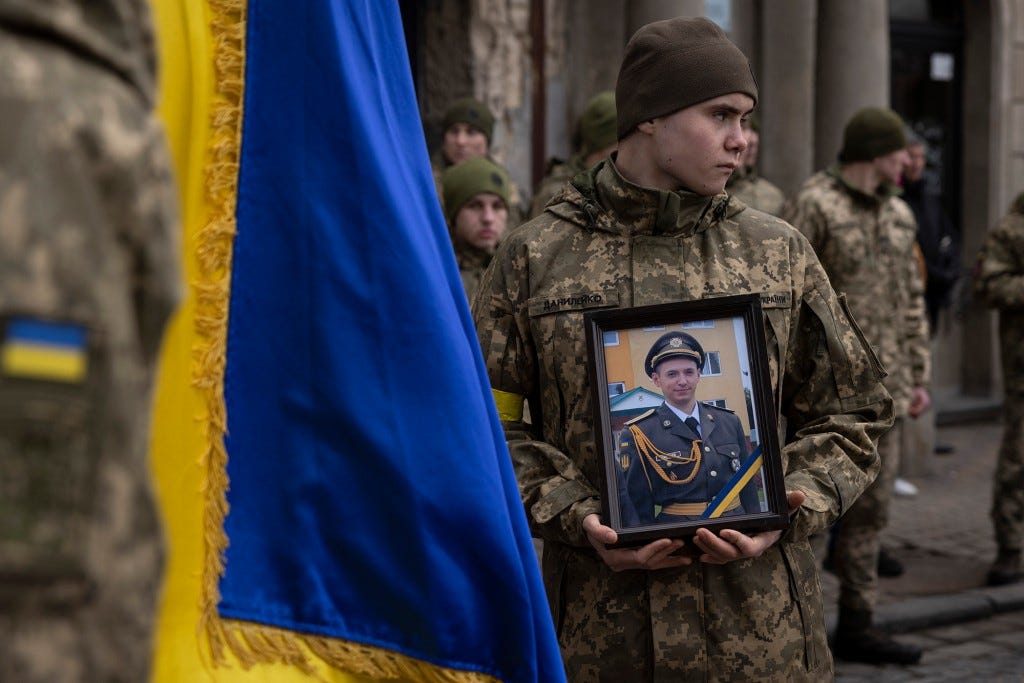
858,536
1008,483
613,244
750,188
90,235
516,209
866,244
557,175
472,263
999,281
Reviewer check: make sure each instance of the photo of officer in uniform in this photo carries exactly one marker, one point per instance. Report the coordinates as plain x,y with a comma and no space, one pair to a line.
676,458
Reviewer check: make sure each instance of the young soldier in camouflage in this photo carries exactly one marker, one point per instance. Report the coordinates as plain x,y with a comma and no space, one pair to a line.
476,207
864,235
596,136
746,184
999,280
653,225
88,277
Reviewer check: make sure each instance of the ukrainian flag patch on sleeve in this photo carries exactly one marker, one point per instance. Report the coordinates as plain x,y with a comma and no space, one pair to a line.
44,350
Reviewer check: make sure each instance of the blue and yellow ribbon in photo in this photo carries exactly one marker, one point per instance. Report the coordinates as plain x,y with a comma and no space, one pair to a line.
720,503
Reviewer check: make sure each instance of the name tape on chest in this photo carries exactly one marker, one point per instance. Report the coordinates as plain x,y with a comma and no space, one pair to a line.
776,299
575,301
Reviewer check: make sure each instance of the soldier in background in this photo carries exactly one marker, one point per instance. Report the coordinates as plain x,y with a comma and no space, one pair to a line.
999,281
746,184
865,235
476,208
937,236
648,225
594,139
88,277
468,128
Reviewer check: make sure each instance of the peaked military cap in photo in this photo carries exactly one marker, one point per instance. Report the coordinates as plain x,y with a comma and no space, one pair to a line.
673,345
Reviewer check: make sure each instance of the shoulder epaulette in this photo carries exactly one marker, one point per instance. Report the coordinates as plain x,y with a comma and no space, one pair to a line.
707,404
641,416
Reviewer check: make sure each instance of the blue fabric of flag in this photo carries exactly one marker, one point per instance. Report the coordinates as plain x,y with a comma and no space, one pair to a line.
371,494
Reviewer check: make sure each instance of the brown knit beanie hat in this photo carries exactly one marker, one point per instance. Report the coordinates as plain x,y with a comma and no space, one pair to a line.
597,124
673,64
871,133
473,112
465,180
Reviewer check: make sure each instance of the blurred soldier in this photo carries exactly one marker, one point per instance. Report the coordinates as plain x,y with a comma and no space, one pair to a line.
652,224
999,281
864,235
476,206
468,127
594,140
746,184
88,277
937,236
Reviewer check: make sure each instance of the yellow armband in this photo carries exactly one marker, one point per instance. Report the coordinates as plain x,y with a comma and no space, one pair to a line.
510,406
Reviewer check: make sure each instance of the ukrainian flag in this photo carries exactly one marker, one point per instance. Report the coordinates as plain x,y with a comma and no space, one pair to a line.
39,349
339,499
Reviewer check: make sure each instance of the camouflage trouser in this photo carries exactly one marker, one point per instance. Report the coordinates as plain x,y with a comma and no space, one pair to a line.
69,647
858,535
1008,491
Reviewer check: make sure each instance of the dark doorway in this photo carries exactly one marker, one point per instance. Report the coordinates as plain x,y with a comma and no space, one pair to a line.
926,77
412,21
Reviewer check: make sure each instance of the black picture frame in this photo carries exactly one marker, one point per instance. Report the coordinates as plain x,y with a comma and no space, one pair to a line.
742,493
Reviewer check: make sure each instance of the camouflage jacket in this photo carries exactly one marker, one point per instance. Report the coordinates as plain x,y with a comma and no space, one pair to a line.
756,192
558,174
609,243
999,281
89,244
866,244
472,263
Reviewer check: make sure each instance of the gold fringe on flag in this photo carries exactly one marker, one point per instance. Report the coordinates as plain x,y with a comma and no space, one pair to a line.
251,643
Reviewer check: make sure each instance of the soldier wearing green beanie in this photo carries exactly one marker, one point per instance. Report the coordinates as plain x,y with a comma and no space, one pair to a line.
594,139
476,196
865,236
872,132
468,128
652,224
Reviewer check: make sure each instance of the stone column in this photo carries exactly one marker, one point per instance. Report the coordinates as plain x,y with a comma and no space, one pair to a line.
984,197
853,68
744,31
786,88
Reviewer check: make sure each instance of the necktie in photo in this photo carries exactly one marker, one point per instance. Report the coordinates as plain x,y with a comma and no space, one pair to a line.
692,423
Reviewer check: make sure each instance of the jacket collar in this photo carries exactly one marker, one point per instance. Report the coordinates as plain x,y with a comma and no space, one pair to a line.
599,198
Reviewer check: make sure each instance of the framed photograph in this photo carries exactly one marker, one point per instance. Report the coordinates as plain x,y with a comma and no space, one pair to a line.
685,421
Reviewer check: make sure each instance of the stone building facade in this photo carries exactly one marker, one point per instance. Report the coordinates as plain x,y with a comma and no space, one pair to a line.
537,62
